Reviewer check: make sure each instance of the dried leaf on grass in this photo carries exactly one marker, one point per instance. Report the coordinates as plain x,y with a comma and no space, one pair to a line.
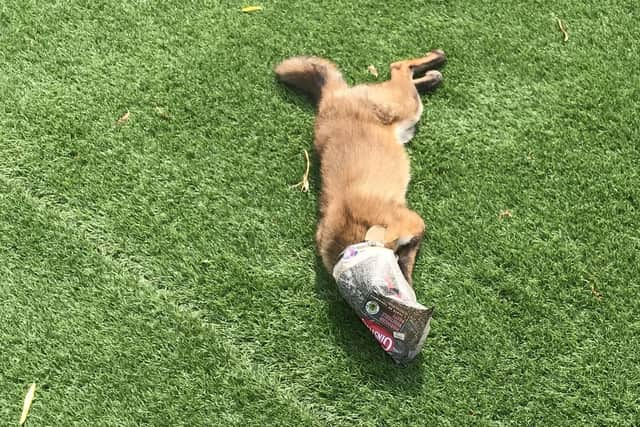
504,214
248,9
595,292
123,119
564,30
304,184
164,114
372,70
27,403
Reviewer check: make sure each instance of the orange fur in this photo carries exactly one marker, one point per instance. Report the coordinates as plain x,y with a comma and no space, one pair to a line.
359,132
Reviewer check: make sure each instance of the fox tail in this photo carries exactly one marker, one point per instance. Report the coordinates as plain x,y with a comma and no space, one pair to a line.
313,75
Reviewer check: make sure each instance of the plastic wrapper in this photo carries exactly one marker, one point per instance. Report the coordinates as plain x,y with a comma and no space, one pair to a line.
370,280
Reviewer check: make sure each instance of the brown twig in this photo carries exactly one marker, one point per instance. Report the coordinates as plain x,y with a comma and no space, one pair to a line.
304,184
564,31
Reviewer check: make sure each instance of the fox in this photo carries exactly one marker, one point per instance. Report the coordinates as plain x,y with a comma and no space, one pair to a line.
360,134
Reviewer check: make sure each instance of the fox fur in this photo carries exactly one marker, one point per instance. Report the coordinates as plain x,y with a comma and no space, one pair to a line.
359,136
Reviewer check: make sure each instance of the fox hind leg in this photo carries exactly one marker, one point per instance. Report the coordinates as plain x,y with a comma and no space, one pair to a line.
397,101
421,71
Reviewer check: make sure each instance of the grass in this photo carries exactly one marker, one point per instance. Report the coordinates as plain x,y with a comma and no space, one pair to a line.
162,272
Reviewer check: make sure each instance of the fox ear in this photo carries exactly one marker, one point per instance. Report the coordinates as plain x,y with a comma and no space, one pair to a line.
405,229
400,242
393,245
391,242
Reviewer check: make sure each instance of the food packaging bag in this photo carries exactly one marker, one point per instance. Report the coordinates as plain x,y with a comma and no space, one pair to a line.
370,280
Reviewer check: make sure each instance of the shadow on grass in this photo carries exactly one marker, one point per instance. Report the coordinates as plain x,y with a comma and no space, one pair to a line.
295,96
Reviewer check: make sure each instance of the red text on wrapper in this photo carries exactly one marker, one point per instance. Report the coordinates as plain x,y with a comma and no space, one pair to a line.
383,336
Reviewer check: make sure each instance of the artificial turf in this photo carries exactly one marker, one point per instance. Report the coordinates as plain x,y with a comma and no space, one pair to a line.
163,272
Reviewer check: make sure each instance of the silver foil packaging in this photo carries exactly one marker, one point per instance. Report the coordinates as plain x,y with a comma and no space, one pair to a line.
370,280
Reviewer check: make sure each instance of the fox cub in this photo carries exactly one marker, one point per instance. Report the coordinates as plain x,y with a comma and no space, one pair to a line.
359,136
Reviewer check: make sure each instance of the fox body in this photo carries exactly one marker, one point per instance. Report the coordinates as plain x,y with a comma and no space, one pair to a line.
359,136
